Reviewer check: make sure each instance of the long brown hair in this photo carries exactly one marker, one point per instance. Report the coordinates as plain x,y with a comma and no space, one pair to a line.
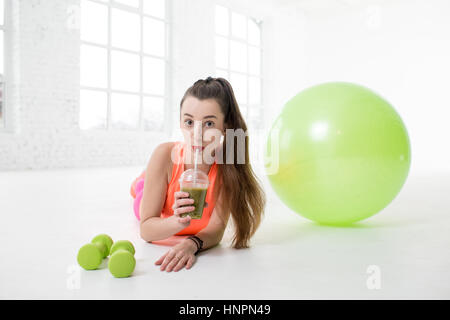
240,190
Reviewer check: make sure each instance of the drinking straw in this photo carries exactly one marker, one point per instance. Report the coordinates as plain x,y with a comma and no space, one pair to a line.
197,150
197,144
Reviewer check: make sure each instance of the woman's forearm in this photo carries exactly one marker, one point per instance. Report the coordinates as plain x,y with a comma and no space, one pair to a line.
157,228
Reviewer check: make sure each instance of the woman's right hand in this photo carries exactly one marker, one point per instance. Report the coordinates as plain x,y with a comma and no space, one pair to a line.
182,199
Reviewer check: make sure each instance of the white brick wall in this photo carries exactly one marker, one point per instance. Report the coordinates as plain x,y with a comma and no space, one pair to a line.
43,86
299,49
43,98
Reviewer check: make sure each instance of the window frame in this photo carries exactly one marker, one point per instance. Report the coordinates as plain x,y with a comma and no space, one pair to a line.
111,4
230,37
5,124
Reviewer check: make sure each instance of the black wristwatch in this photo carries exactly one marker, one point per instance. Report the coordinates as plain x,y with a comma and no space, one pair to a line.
198,243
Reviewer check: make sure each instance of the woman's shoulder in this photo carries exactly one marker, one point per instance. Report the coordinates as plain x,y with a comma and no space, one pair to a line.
164,152
161,157
166,148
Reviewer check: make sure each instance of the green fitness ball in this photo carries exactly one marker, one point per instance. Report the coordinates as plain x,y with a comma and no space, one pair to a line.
122,262
343,153
90,255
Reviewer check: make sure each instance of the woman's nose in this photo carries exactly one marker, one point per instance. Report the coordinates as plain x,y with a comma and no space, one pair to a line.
197,134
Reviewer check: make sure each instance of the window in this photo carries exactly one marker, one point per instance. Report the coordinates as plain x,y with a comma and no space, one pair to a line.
2,64
123,63
238,59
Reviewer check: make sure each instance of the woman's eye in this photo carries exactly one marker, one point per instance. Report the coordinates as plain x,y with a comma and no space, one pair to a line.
208,124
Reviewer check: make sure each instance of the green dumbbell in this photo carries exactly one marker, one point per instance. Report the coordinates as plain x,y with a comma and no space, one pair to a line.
122,262
90,255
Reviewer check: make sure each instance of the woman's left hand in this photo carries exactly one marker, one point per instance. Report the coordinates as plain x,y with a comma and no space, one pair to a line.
180,255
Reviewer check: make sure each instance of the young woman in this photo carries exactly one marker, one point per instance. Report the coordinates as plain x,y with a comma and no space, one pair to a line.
233,190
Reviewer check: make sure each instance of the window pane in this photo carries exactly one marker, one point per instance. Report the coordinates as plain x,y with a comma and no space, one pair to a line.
222,20
154,76
239,25
254,114
124,111
2,123
239,84
125,30
94,22
125,71
221,52
254,88
254,56
243,108
2,12
156,8
2,65
254,35
1,79
153,113
93,66
221,73
238,56
131,3
154,37
93,109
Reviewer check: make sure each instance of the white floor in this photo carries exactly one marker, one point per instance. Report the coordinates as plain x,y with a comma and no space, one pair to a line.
47,215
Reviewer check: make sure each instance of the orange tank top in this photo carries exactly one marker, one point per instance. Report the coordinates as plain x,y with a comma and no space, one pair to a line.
174,186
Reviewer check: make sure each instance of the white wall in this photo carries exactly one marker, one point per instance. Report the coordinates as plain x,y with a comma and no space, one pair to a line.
43,97
397,48
43,80
400,49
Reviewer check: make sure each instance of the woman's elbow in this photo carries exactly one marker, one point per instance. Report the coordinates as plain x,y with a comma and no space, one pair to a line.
144,232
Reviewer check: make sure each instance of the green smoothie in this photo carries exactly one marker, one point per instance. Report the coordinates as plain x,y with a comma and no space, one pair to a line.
199,195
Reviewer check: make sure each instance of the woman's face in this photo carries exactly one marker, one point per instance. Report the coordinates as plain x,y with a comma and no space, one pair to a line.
202,120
